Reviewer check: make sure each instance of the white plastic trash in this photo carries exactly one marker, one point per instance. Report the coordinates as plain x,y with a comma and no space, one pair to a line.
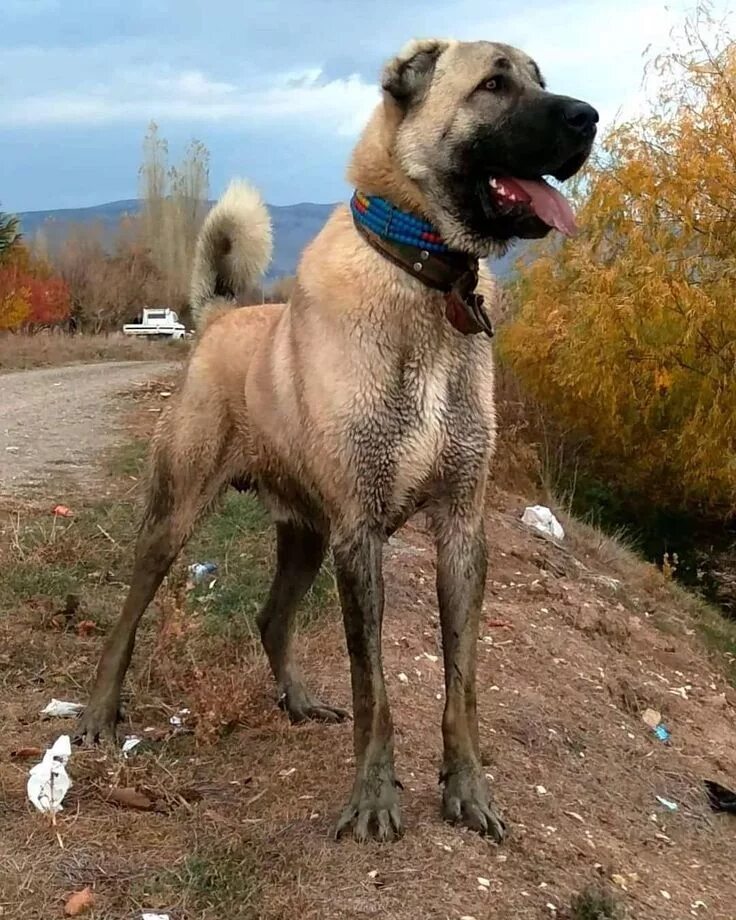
49,782
60,709
130,744
541,518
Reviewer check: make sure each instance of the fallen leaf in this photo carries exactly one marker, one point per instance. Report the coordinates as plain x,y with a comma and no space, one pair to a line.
79,902
86,628
25,753
62,511
130,798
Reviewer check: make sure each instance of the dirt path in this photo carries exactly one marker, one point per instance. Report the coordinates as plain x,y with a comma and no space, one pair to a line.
56,420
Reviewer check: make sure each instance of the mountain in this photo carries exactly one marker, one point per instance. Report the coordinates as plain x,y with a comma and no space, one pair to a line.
294,226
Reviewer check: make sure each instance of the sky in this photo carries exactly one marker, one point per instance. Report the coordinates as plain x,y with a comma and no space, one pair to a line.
277,91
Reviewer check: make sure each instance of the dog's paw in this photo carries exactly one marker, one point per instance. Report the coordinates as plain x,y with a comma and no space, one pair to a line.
373,811
301,706
466,800
98,722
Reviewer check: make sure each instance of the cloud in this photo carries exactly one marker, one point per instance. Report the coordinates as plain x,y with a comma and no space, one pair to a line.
277,94
340,105
587,49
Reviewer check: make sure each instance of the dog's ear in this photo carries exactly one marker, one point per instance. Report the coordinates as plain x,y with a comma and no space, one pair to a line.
406,77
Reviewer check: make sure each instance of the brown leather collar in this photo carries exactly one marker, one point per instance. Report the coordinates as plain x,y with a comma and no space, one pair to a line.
453,273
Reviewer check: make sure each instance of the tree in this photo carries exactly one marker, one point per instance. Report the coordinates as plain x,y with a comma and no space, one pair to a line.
30,294
108,289
9,232
174,202
627,335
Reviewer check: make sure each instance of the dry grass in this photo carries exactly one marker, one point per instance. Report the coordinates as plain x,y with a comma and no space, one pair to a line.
21,352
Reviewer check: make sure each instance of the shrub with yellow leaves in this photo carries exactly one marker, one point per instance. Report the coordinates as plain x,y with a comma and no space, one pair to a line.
627,334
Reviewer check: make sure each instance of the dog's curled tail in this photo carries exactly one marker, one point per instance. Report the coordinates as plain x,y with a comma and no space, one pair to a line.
233,249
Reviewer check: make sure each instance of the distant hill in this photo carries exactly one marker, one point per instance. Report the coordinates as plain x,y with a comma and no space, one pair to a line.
294,226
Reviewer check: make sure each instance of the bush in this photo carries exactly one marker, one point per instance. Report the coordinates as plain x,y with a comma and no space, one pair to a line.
627,335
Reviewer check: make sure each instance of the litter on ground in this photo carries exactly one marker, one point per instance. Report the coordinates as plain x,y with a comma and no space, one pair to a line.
130,744
61,709
541,518
48,781
199,571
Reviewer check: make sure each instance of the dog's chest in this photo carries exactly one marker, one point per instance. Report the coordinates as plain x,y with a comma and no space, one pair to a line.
399,429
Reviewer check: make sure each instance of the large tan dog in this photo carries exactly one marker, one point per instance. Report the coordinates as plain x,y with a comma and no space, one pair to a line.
366,397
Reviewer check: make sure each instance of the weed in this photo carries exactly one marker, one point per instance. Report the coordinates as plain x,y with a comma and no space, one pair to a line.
595,903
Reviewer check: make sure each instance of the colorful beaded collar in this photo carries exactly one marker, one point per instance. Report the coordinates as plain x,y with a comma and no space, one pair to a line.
415,246
388,222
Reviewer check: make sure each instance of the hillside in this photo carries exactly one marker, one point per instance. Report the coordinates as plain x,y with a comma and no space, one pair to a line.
294,226
578,640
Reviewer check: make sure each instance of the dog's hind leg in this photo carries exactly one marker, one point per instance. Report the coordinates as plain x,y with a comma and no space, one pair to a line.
373,810
178,493
461,575
299,554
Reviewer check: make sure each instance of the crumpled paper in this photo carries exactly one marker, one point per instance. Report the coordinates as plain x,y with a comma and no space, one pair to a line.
48,781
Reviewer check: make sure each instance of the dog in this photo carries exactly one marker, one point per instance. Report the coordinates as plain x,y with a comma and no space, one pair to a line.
369,396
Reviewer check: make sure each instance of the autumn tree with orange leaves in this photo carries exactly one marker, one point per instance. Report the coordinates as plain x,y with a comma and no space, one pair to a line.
31,295
627,334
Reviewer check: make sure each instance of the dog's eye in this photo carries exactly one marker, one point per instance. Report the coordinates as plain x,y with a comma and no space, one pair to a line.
493,84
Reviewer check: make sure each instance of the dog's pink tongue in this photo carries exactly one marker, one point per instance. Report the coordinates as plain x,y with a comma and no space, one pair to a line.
549,205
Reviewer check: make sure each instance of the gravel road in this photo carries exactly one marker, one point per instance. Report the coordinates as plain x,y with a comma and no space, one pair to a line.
57,420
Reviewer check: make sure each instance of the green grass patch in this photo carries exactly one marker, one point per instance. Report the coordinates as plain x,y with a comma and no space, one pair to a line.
91,555
129,459
47,558
214,881
240,538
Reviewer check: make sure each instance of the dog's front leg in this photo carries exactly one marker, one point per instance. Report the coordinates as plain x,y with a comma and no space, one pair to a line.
461,576
373,809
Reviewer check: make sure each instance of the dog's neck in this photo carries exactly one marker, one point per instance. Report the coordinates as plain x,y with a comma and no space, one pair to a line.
415,246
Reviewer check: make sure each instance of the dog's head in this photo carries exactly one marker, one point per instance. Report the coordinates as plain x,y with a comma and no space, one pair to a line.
471,126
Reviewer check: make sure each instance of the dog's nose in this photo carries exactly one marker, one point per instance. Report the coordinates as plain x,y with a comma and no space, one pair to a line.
580,116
